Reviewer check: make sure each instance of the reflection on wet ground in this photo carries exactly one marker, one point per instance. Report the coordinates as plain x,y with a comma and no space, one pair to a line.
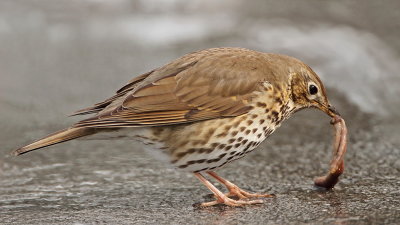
57,66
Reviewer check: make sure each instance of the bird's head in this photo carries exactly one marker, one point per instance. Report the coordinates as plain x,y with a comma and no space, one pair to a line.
308,91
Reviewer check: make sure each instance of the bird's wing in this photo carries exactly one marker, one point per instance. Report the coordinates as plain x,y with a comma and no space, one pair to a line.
189,89
120,93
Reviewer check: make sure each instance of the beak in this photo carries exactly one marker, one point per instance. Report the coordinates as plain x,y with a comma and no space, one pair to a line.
330,110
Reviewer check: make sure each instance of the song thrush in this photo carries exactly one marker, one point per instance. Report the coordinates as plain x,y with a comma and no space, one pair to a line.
204,110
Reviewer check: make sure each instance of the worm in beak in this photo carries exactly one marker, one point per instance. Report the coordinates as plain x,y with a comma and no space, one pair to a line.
339,149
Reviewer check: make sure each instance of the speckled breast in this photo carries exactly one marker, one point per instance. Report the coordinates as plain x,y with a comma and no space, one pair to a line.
209,144
221,141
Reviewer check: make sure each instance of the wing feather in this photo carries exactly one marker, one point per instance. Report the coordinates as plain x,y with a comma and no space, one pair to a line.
199,86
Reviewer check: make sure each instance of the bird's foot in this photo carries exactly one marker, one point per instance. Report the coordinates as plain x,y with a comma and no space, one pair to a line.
237,197
223,199
235,191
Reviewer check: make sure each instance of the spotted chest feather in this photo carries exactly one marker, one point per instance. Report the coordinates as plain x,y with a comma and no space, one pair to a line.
210,144
233,139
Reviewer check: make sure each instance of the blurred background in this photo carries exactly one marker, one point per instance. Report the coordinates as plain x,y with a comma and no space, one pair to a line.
60,56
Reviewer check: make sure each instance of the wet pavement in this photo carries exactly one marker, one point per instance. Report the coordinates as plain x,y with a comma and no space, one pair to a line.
60,58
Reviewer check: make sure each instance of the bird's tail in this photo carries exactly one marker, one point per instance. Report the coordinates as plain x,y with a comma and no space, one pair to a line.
55,138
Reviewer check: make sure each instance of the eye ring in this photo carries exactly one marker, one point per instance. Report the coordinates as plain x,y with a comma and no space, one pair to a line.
312,89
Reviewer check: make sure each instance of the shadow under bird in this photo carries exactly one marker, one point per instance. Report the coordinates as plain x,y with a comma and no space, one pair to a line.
209,108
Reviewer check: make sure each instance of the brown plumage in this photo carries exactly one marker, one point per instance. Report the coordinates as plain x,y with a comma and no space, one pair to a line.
205,109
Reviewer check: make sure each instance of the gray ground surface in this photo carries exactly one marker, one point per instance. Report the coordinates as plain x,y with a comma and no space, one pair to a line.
59,57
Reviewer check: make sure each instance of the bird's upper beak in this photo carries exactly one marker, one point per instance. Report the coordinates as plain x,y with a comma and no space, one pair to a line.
330,110
326,107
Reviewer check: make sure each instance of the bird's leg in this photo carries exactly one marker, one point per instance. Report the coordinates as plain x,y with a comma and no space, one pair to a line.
221,197
234,190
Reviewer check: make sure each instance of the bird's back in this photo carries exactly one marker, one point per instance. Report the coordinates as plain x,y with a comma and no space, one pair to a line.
213,84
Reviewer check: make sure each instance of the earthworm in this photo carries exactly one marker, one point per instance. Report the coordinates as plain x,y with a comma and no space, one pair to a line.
339,149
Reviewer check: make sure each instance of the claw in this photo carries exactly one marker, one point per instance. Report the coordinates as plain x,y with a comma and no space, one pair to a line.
231,202
234,191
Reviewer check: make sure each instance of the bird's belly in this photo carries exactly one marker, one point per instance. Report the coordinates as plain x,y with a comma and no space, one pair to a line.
218,157
200,146
228,142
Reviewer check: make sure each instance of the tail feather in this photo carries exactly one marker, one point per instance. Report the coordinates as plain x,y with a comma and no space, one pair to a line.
55,138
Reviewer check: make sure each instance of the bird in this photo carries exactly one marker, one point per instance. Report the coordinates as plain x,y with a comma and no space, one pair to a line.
204,110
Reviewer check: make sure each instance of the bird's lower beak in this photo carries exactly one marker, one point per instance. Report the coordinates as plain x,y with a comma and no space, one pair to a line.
330,110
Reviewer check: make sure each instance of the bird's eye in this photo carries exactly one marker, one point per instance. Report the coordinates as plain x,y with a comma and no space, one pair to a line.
313,89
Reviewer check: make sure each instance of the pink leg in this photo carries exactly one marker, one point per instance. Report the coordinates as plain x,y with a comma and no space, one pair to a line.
235,190
221,198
